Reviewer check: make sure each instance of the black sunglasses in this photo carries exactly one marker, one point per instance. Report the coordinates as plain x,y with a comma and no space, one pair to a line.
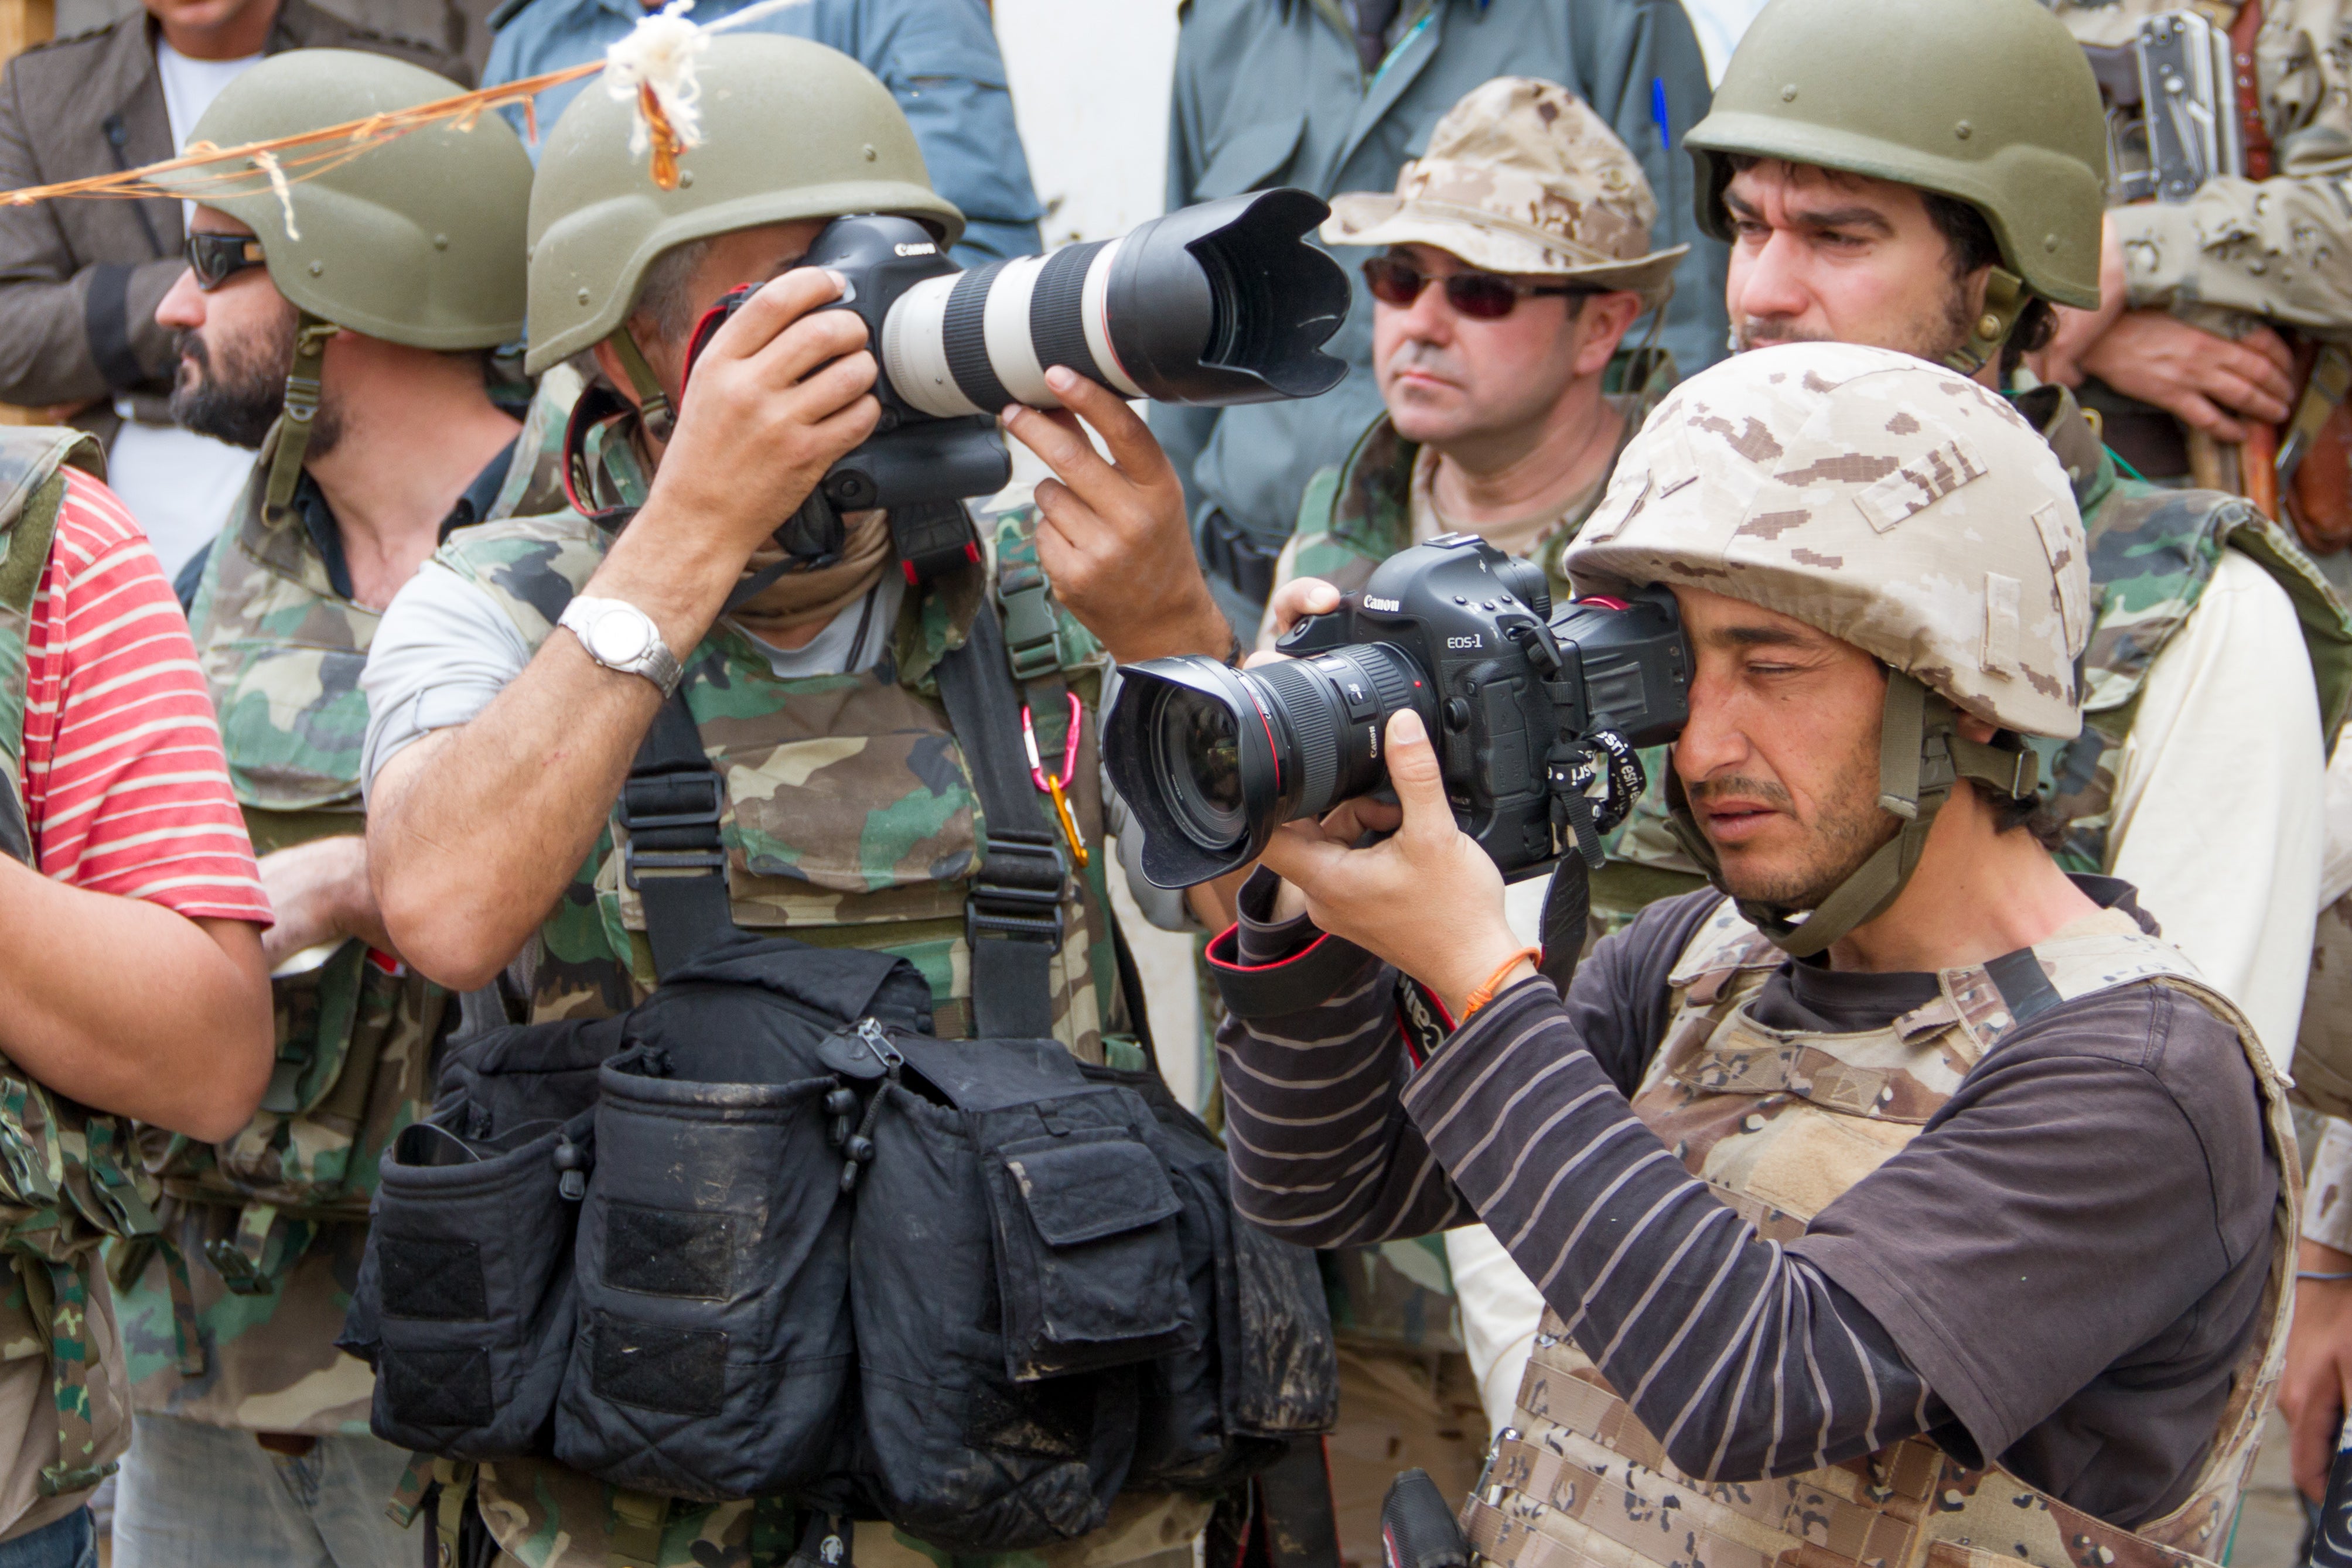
1481,295
216,258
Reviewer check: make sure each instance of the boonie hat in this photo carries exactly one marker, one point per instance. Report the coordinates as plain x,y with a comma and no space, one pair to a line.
1521,176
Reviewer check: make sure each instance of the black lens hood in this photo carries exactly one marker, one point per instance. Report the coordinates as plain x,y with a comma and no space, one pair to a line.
1172,856
1226,302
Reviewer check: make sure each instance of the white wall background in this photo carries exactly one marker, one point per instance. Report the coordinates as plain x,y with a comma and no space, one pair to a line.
1090,91
1090,80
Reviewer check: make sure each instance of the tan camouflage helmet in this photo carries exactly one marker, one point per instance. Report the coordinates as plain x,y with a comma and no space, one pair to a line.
416,241
1896,505
790,129
1521,177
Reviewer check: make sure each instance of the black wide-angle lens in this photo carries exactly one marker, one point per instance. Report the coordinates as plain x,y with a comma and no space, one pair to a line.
1198,750
1210,760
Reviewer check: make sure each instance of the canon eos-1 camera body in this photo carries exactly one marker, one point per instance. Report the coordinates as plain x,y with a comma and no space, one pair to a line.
1536,717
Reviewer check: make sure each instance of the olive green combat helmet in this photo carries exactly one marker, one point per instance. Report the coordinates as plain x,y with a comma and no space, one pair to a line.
417,240
790,130
1991,103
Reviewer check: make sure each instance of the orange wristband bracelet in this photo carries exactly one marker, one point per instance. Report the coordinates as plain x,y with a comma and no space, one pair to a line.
1485,993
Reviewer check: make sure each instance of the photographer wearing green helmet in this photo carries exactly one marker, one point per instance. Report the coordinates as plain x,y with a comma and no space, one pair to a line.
342,329
819,675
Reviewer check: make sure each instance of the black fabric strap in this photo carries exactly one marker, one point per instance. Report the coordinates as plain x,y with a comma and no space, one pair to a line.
676,861
1013,916
1567,911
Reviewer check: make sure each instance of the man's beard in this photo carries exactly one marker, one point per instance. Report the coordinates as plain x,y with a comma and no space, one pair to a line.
1934,337
239,400
1847,832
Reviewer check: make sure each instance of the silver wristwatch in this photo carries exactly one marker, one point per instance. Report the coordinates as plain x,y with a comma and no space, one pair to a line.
620,636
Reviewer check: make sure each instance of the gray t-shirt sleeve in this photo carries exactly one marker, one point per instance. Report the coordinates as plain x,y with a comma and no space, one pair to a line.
441,652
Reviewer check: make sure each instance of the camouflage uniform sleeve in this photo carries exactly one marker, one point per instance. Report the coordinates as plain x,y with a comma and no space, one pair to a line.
2327,1194
2270,248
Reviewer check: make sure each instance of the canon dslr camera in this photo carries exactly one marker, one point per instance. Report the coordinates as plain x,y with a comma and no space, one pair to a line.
1536,718
1221,303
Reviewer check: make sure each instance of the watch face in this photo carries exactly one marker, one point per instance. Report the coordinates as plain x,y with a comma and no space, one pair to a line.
616,637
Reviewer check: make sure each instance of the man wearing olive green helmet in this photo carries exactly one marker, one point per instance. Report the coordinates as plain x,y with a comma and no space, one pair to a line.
344,332
513,682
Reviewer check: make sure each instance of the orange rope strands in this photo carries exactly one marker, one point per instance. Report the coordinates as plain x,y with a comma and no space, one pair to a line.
204,169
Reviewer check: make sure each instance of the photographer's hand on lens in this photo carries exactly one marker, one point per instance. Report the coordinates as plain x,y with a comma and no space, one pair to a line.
1113,535
1297,599
783,392
1426,898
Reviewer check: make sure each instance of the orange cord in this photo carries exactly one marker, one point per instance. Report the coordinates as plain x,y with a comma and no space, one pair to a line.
1485,993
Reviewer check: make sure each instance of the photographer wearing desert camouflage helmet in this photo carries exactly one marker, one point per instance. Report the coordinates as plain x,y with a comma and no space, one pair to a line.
505,712
1927,177
1820,1165
344,332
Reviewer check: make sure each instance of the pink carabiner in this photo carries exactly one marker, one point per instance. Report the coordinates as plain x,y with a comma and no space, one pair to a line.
1069,748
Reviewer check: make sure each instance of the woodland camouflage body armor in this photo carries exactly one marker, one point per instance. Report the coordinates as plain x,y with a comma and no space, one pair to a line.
264,1230
850,818
67,1180
1779,1123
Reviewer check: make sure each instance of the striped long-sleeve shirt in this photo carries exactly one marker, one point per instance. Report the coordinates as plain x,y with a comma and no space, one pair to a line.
2060,1270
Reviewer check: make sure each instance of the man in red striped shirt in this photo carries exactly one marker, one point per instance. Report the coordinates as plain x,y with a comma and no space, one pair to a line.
130,945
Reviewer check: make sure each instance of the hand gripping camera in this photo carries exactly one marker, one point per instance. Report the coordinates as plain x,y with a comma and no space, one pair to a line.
1536,717
1221,303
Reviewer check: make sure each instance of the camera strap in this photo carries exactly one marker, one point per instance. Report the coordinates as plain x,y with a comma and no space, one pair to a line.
676,861
1012,918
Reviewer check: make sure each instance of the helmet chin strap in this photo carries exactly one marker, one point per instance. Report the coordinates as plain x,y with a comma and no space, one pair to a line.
653,403
1921,756
2005,300
310,336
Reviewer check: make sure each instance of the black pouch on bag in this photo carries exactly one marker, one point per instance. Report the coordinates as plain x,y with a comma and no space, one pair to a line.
464,1302
1227,1408
714,1358
980,1149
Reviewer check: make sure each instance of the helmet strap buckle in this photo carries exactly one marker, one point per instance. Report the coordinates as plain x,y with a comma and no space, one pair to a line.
654,409
1921,757
302,395
2005,300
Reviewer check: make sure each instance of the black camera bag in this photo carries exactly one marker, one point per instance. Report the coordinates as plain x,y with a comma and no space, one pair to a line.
1015,1255
464,1303
712,1358
1265,1370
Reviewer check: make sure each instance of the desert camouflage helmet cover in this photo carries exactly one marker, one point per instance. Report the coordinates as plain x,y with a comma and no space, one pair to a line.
1891,503
417,240
1990,101
1521,176
790,129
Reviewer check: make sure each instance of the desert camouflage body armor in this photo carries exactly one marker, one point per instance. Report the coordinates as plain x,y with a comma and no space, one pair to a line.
1779,1123
67,1180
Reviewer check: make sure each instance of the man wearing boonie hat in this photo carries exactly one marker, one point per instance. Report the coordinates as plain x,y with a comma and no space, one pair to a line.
1512,258
1510,261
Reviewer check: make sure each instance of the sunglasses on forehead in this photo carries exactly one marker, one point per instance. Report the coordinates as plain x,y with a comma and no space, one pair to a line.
216,258
1481,295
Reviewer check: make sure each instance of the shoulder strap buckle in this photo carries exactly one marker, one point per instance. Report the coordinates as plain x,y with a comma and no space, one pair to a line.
1018,892
1030,633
